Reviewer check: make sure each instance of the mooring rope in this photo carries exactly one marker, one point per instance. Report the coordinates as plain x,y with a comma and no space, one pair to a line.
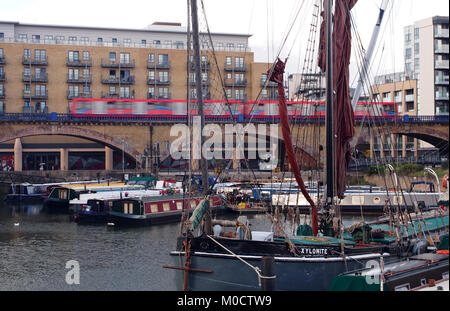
256,269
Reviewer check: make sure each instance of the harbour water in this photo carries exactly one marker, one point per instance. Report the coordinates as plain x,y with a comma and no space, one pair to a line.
35,247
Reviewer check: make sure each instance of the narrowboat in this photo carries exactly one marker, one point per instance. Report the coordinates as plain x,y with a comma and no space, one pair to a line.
155,210
95,211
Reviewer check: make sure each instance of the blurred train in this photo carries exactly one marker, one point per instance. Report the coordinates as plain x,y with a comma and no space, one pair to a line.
218,108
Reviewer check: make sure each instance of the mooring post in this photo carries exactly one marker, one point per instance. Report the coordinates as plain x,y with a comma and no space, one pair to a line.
267,270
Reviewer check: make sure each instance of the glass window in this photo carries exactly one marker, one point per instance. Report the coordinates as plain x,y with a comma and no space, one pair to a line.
151,58
72,38
151,92
112,56
163,76
100,40
27,53
40,54
85,55
143,42
151,75
74,56
114,40
228,61
163,59
124,58
2,107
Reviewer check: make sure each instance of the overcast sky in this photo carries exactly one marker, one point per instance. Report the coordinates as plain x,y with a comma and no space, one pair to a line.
266,20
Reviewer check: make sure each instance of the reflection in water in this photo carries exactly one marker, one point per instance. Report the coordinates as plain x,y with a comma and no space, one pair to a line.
35,246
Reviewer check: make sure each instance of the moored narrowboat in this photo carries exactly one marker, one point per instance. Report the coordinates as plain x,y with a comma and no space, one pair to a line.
155,210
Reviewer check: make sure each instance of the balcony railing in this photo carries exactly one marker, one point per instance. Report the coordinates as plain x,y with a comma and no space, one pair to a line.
441,80
162,96
269,84
441,64
236,67
441,49
409,98
158,65
441,33
79,62
441,96
204,65
38,61
72,95
158,82
118,80
117,96
35,95
238,82
79,79
42,77
204,83
117,64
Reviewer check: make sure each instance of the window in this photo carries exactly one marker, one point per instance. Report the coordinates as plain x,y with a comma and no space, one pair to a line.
99,40
112,56
74,56
36,38
416,48
2,35
73,74
151,92
124,58
151,58
143,42
228,61
166,207
86,55
84,39
112,90
416,33
163,76
86,89
239,77
73,90
154,208
151,75
124,92
48,38
40,90
27,71
2,89
114,40
27,53
72,38
157,42
239,94
59,39
408,53
126,42
163,59
163,92
40,72
86,73
228,93
1,52
22,37
40,54
2,107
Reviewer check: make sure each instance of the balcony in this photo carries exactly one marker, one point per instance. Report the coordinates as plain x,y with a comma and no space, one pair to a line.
441,96
158,82
117,96
72,95
118,80
2,76
43,77
2,60
37,61
79,62
441,80
441,33
204,83
236,67
115,64
409,98
269,84
2,94
35,95
79,79
236,82
29,109
441,49
161,96
204,65
155,65
441,64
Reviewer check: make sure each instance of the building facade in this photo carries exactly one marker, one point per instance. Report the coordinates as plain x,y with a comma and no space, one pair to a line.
44,67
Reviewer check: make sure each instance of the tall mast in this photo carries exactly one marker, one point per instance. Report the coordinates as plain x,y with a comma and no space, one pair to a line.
330,134
198,82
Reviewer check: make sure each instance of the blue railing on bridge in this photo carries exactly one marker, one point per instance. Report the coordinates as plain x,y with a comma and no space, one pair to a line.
240,118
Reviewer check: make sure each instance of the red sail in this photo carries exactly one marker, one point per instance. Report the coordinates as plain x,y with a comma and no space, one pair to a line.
344,119
277,77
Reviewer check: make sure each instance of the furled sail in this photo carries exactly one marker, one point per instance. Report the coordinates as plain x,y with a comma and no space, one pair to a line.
343,114
277,77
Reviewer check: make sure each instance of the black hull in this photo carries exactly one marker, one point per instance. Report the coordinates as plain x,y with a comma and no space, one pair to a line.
87,219
123,221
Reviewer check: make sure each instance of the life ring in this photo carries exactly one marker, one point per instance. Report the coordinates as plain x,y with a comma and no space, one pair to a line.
444,181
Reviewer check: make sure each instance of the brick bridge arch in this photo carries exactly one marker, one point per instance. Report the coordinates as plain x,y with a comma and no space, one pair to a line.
65,130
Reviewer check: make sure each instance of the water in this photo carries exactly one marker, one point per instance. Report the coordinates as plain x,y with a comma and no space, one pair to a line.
35,247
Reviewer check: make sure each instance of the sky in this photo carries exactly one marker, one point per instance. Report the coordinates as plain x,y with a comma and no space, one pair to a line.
267,21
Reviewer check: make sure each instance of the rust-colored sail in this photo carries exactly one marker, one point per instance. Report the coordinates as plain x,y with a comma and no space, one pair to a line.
277,77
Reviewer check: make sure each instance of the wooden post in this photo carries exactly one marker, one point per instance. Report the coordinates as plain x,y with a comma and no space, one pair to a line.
267,267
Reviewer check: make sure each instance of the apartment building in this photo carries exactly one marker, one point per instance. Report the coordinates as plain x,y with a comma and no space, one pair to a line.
422,89
44,67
